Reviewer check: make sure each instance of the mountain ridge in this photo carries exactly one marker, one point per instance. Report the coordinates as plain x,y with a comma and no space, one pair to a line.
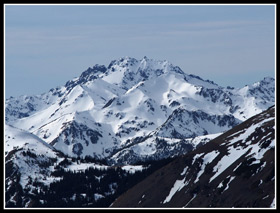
131,99
111,125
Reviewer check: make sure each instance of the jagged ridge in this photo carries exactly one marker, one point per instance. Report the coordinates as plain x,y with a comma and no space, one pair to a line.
132,99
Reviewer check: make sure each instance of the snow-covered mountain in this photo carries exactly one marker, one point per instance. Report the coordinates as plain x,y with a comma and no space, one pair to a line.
36,175
236,169
135,109
27,158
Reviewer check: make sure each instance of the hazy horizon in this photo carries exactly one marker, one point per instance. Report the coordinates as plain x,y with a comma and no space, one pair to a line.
47,45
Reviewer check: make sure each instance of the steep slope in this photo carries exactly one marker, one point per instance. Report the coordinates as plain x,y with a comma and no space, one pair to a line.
236,169
108,111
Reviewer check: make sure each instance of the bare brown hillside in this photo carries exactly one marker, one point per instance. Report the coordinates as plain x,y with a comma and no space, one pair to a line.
237,169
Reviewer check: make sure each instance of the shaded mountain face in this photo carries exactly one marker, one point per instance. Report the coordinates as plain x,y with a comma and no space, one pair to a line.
236,169
135,110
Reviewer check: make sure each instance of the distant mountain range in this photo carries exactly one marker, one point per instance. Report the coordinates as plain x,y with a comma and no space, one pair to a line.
124,121
134,110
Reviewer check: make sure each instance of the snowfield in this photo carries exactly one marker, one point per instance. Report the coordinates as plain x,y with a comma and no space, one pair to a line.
109,112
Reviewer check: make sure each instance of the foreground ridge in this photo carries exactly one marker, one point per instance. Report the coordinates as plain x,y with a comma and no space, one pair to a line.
236,169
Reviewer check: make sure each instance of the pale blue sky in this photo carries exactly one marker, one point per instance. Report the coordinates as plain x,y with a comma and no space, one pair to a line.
47,45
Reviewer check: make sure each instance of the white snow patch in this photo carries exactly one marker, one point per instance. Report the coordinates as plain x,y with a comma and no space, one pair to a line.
178,185
83,166
98,196
194,196
132,169
208,158
196,157
184,171
231,179
273,204
226,161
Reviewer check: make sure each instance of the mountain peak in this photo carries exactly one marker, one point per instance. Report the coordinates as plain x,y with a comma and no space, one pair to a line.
127,71
96,69
121,62
88,75
265,81
268,80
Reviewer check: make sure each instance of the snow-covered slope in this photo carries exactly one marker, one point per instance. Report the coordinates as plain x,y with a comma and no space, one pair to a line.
236,169
106,111
16,138
27,159
37,175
